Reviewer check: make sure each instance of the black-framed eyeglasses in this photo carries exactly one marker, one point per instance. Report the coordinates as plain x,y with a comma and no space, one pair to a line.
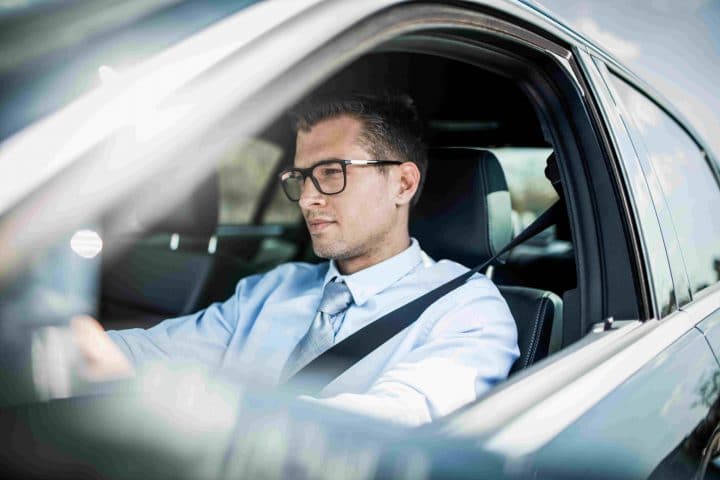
328,176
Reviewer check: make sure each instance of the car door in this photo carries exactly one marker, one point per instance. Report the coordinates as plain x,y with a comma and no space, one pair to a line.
647,404
688,191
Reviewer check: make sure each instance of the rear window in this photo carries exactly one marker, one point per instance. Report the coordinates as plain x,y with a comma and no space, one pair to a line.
243,175
531,193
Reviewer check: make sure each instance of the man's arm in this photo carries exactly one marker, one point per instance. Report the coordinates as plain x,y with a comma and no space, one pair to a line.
200,338
469,350
103,359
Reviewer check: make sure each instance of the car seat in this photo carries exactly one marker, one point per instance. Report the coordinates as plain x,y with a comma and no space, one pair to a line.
463,214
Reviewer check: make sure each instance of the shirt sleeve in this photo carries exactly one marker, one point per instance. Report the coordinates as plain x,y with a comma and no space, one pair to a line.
470,349
200,338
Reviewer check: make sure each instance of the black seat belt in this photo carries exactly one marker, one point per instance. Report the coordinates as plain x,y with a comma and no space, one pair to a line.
333,362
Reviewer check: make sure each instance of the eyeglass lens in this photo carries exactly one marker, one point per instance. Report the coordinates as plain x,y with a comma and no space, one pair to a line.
330,178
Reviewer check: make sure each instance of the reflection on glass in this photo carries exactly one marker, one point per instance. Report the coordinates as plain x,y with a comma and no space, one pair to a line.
688,182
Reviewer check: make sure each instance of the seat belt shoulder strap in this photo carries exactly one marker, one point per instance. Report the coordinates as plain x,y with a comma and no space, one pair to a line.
334,361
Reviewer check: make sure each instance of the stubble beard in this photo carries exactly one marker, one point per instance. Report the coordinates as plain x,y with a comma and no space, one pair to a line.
335,251
339,250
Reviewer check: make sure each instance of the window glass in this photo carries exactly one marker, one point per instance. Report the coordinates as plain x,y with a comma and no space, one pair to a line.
687,181
243,175
281,210
530,192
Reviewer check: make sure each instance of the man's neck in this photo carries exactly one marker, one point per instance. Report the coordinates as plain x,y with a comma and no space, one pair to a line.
388,250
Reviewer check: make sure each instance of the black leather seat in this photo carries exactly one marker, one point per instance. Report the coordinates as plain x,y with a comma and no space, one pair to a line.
538,315
464,215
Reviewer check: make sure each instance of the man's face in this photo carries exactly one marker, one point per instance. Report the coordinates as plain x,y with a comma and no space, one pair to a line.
358,221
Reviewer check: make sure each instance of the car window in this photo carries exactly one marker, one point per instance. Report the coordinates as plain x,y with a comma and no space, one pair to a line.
281,210
73,42
687,181
242,176
530,192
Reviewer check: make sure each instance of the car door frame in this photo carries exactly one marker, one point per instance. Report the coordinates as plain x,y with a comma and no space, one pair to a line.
363,25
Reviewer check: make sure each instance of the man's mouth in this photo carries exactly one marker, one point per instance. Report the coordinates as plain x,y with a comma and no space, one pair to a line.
317,225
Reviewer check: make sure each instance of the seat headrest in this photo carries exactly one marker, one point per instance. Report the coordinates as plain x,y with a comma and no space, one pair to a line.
464,211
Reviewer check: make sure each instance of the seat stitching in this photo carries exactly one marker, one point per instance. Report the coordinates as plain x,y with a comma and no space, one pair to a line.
535,339
532,337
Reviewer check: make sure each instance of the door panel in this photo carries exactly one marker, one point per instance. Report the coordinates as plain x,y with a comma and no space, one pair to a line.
711,328
641,427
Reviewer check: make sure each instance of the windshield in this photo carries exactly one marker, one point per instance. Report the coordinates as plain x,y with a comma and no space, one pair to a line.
53,52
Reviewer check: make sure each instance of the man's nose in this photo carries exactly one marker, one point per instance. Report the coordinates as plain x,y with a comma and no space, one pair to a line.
310,195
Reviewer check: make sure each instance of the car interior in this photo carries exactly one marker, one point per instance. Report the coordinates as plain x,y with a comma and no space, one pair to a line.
494,167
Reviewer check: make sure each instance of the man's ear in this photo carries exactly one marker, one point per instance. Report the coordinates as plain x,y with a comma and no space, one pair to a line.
409,181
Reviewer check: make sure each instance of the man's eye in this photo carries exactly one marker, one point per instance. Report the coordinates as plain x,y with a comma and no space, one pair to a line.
328,172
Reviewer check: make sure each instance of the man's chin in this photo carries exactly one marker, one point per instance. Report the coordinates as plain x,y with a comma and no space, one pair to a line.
323,253
329,252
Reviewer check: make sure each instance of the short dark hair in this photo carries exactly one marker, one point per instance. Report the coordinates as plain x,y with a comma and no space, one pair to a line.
391,125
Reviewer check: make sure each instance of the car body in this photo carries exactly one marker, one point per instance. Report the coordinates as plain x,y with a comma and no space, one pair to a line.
630,392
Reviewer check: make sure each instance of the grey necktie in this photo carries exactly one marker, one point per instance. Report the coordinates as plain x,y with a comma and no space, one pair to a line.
321,334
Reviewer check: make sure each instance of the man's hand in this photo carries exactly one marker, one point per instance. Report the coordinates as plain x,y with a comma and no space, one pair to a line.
103,359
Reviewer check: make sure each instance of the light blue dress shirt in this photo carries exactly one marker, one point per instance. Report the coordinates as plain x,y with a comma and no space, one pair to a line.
460,346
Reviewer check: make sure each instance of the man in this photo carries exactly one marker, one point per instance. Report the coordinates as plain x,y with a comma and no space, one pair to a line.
358,168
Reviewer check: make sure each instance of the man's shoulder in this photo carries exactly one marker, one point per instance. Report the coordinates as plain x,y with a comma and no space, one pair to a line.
449,269
476,300
446,270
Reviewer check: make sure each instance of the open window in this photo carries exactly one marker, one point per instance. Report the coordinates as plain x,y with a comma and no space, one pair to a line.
479,83
193,207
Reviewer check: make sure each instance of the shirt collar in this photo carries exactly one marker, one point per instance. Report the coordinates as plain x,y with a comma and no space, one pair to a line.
372,280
